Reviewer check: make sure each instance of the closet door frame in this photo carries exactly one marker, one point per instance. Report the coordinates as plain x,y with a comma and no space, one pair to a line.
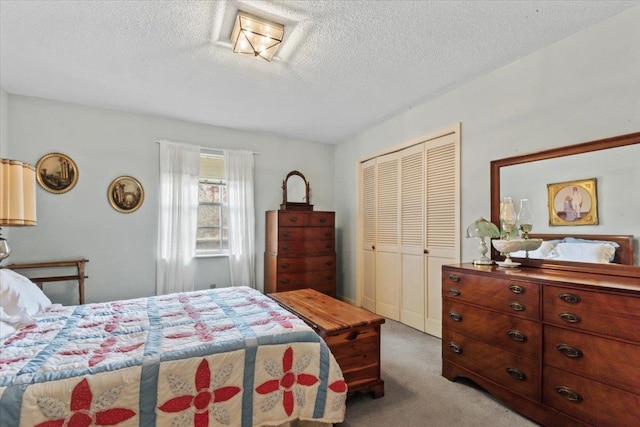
455,130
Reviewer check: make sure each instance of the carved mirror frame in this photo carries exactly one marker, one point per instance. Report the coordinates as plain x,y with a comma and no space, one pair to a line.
300,206
585,147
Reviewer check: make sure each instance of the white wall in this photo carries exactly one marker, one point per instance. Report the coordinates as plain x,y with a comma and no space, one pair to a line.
582,88
106,144
4,123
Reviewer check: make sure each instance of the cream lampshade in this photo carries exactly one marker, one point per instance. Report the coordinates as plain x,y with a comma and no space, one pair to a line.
482,229
17,197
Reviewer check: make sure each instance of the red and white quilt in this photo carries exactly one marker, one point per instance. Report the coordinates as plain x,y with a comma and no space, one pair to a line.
222,357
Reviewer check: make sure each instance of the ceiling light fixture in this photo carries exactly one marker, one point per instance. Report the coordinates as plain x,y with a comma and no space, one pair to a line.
256,36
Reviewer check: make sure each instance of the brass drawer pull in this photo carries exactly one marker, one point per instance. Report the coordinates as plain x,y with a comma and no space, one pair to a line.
328,234
293,219
286,247
517,335
570,352
455,316
517,306
454,292
328,246
570,298
517,289
285,281
517,374
284,265
454,278
569,394
329,277
286,234
455,348
569,317
329,262
322,219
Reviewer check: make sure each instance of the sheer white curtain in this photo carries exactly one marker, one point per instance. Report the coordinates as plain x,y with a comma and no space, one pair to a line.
238,166
179,169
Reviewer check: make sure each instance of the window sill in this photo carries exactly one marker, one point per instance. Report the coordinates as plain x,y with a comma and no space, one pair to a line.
198,256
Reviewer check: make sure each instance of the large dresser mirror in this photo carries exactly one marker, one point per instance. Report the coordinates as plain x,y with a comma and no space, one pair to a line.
611,161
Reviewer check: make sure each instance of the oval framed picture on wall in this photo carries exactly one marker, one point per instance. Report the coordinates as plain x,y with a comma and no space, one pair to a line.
56,173
125,194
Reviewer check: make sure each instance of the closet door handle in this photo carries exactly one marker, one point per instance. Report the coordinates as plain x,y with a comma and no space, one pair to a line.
373,247
455,348
570,395
517,289
570,298
569,317
516,335
426,251
517,306
455,316
517,374
569,351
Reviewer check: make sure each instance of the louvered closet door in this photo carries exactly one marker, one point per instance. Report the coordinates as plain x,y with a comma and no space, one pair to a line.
412,307
387,280
368,201
442,197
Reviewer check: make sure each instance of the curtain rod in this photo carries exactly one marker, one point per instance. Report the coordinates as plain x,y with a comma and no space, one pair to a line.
255,153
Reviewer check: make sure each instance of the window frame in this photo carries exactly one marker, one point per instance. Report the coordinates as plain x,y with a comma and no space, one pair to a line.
224,212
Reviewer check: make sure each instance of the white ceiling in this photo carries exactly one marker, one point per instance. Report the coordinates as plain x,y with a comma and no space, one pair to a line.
343,67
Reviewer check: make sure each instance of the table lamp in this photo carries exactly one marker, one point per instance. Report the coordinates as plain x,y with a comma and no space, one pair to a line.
17,198
482,229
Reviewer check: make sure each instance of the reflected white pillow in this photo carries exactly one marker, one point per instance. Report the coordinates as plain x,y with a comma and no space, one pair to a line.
20,295
584,252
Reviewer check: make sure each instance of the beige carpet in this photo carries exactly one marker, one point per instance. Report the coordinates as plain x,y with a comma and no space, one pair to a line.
416,394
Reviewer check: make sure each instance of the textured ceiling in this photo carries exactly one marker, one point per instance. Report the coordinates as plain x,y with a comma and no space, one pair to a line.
343,67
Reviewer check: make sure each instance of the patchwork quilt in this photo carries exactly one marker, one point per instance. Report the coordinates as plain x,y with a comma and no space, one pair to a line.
221,357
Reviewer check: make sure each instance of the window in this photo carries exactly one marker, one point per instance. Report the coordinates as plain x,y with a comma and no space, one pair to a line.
212,234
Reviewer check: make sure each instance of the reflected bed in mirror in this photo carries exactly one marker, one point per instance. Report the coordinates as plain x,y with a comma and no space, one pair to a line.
613,162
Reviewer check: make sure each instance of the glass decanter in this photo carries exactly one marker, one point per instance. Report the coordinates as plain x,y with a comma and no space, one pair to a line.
508,217
525,218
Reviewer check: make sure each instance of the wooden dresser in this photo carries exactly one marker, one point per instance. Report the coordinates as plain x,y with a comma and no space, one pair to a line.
560,348
300,251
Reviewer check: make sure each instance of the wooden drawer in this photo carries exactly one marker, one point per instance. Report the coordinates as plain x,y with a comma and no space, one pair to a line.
609,361
517,373
306,219
591,401
512,333
313,233
324,282
603,313
511,296
302,247
355,348
306,264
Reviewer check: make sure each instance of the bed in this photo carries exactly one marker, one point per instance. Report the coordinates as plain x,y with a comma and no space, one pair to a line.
229,356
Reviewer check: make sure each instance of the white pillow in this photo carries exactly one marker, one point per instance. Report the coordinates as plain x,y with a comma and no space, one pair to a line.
19,293
584,252
6,329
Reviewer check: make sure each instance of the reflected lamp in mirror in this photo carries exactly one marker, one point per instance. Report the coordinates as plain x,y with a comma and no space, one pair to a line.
17,197
482,229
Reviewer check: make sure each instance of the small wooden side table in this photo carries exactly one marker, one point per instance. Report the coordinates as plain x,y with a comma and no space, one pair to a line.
77,263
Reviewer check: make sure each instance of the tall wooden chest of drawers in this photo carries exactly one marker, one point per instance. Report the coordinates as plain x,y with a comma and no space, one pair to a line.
561,348
300,251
